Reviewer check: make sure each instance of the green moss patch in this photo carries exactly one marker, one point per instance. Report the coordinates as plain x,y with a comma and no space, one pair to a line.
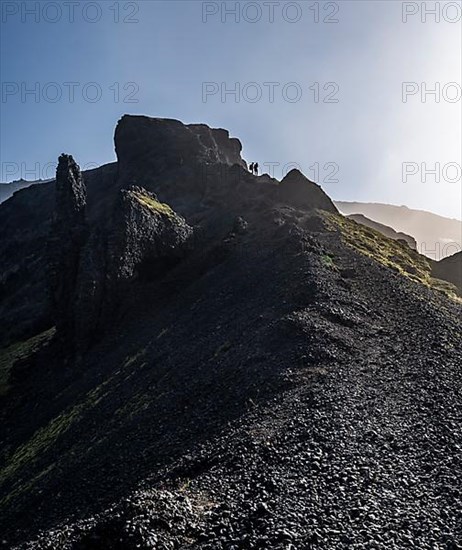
45,437
328,261
153,204
393,254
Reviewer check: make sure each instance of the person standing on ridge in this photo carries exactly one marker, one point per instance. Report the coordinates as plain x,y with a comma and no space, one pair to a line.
251,167
255,167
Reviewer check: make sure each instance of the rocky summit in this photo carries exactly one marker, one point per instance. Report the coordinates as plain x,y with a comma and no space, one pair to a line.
193,356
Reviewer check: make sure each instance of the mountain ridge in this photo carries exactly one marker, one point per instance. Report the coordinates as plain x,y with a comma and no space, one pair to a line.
8,189
227,361
401,206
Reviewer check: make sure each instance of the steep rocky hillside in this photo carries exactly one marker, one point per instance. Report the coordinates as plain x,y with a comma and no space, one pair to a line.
209,359
26,221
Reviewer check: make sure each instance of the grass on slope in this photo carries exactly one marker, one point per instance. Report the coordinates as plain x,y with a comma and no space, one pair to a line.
17,351
154,205
45,437
391,253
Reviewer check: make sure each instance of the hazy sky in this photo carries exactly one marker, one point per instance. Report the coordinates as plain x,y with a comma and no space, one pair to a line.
320,84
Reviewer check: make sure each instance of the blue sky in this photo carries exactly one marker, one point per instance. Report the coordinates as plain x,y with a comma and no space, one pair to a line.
348,60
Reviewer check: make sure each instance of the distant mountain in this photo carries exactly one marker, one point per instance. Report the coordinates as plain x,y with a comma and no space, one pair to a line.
437,237
385,230
7,189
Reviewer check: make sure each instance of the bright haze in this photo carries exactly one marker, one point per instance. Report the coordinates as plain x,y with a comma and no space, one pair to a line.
342,90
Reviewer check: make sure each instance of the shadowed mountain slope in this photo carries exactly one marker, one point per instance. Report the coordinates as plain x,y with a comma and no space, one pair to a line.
8,189
239,365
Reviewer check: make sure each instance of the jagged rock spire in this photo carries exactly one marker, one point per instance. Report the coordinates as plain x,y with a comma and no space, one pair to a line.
70,193
68,239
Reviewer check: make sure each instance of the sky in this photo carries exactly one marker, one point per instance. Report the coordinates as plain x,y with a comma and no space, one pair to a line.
363,96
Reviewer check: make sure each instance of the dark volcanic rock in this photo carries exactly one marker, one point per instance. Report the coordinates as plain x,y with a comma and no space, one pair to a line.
169,157
450,269
168,143
25,221
145,235
67,240
247,378
192,166
297,190
70,196
140,240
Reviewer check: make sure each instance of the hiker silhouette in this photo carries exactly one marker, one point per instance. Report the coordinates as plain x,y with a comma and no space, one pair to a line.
255,167
251,167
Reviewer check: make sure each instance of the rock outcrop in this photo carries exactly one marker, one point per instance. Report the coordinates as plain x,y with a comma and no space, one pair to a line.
91,265
198,171
67,241
191,165
169,157
146,236
298,191
168,143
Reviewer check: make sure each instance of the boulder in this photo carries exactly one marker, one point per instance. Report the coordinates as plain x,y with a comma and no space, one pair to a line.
298,191
146,235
